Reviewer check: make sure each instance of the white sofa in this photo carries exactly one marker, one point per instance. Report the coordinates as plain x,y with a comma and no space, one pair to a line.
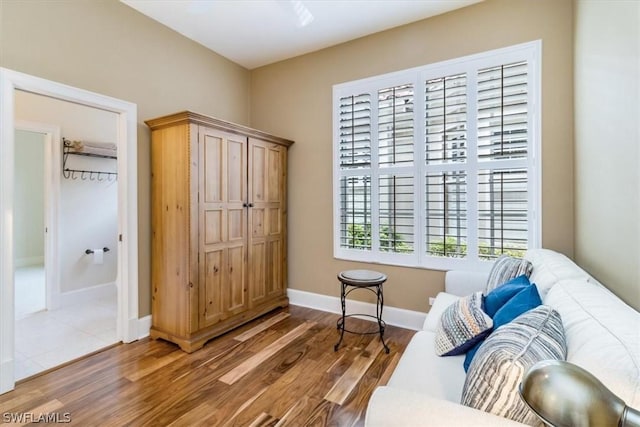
602,334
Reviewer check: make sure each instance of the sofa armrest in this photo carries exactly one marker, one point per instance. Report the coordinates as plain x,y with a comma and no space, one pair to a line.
391,406
440,304
462,283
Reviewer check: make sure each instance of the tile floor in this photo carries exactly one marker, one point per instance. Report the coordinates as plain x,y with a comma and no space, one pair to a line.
47,338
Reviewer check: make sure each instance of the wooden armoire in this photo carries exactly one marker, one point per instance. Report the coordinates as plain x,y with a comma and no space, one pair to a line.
219,226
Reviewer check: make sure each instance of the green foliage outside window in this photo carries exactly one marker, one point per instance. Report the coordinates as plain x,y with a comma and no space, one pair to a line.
359,236
451,247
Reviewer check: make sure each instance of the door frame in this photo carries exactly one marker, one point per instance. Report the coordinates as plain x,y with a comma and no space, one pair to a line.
127,276
52,172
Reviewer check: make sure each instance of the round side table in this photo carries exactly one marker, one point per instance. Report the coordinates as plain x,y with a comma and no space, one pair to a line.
372,281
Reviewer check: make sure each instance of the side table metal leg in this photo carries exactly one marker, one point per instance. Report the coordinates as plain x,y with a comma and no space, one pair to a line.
381,323
340,323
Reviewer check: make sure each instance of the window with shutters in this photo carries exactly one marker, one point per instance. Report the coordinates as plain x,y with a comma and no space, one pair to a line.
438,166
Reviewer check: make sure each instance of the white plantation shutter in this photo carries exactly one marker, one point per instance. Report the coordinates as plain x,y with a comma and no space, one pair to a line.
446,143
437,166
395,126
446,119
355,154
396,213
503,141
396,152
355,132
502,112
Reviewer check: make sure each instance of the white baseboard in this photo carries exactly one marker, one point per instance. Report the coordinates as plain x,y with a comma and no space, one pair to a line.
26,262
82,296
144,325
391,315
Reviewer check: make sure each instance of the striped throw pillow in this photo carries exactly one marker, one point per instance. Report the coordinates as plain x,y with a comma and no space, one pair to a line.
462,324
498,367
506,268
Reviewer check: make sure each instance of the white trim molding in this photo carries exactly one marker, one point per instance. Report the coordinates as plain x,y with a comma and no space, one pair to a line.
144,326
400,317
127,277
85,295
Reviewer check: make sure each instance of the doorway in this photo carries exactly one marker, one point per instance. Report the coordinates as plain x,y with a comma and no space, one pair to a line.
126,281
79,315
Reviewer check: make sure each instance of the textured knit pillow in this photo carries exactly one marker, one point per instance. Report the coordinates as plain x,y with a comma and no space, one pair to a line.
506,268
461,325
497,369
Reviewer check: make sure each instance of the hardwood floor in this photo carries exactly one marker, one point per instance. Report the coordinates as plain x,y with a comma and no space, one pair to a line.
279,370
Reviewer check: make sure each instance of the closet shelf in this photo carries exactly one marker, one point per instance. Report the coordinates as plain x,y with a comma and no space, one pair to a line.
70,148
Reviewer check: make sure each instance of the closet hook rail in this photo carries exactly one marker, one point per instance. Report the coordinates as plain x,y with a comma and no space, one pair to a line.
71,148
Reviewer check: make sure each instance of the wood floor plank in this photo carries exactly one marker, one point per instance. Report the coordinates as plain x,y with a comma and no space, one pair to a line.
343,388
194,417
241,370
261,327
264,420
278,373
155,365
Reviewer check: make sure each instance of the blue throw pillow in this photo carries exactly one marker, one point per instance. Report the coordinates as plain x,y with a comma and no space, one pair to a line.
469,356
525,300
502,294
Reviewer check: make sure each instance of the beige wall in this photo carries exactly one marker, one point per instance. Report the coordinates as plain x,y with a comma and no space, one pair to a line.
293,98
607,140
106,47
109,48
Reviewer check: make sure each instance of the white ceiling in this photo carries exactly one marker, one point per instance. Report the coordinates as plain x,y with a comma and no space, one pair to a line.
253,33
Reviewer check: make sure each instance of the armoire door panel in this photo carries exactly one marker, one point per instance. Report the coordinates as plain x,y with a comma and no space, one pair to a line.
275,175
258,178
258,272
275,221
236,299
274,272
236,170
213,226
258,222
212,289
213,151
236,221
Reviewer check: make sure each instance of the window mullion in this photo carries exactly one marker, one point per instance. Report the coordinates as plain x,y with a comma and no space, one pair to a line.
472,164
419,171
375,176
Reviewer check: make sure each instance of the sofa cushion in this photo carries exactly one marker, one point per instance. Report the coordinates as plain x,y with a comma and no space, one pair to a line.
500,295
494,375
506,268
462,324
420,370
550,267
603,335
390,406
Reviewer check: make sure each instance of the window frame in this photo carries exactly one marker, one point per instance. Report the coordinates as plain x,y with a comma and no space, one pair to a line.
417,76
